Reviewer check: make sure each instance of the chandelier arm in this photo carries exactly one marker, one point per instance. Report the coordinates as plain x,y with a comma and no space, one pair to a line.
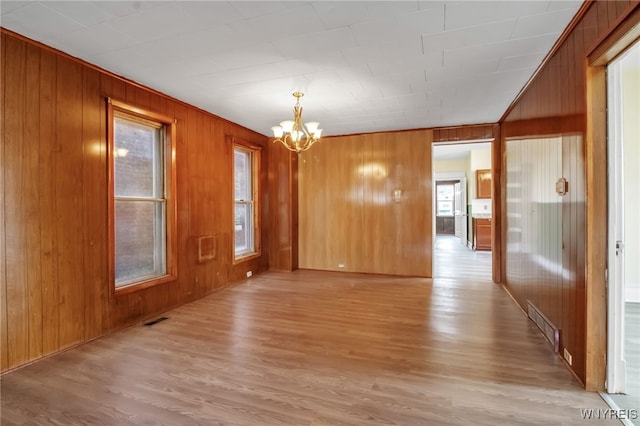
286,141
297,112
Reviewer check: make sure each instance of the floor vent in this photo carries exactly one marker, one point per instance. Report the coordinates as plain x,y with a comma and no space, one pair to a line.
549,330
155,321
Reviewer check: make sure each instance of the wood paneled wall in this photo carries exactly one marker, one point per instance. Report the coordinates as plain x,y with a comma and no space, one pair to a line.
283,208
347,214
464,133
53,184
554,105
546,234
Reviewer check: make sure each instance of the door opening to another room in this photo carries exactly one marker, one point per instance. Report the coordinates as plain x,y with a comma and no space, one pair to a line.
459,206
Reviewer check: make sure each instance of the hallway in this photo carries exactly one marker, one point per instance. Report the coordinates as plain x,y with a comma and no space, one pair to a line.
454,260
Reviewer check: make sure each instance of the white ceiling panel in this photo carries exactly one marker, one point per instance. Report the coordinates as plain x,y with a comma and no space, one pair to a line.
37,18
158,23
341,14
255,9
519,62
363,65
99,39
312,43
84,13
532,25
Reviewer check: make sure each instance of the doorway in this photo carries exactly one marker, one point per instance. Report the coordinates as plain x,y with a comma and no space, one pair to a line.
451,205
623,347
457,206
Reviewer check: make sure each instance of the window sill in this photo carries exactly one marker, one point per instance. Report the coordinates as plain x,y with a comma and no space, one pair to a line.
245,257
142,285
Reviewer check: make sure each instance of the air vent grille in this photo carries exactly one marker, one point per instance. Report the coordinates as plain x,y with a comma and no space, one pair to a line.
549,330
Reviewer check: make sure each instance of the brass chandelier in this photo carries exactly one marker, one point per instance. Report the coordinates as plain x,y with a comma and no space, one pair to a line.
295,135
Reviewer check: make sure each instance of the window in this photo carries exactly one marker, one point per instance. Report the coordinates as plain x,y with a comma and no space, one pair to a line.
445,200
245,190
141,208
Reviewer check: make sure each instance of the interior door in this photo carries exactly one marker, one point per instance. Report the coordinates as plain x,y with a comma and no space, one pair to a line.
457,207
460,212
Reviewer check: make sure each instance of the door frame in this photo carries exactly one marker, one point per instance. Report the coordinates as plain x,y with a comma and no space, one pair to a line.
616,365
459,176
596,295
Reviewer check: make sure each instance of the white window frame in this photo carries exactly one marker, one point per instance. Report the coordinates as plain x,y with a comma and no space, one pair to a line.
454,207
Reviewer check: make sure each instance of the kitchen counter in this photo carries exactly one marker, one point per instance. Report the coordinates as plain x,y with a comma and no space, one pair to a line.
481,216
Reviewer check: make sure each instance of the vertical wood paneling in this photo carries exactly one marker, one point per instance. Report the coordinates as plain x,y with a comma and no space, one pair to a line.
535,220
4,340
69,189
311,173
283,197
94,204
554,106
198,203
420,187
463,133
48,203
372,172
603,16
176,292
15,233
54,283
498,199
347,215
31,208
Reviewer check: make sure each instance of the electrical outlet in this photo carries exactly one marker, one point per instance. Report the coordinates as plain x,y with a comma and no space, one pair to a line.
567,356
249,274
340,265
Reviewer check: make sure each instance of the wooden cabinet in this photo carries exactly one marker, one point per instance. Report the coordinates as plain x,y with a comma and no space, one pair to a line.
483,183
481,234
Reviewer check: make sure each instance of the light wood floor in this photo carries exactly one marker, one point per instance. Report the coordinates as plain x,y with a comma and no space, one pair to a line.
313,348
452,259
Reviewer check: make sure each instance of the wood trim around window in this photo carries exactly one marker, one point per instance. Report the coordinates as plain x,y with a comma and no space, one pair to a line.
256,192
170,195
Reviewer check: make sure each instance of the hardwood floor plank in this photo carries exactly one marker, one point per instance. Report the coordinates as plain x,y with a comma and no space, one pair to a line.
313,348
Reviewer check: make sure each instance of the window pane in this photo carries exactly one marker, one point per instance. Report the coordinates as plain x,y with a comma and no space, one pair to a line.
138,154
445,199
445,208
243,226
140,241
445,192
242,175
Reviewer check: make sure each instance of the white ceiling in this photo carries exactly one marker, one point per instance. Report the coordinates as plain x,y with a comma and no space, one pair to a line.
364,65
